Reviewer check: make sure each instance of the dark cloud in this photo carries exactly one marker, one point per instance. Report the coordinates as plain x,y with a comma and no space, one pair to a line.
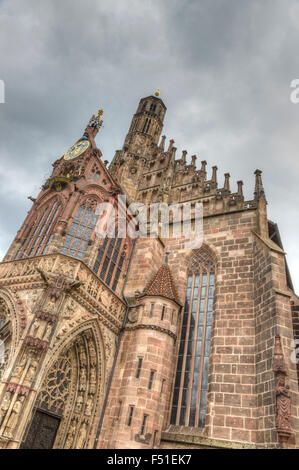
224,69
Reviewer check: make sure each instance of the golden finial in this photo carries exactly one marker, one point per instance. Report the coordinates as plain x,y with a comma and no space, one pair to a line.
100,113
157,92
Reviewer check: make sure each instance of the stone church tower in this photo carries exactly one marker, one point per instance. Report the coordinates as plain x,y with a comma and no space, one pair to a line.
114,338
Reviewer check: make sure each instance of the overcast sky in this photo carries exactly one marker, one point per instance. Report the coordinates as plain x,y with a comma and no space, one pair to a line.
224,68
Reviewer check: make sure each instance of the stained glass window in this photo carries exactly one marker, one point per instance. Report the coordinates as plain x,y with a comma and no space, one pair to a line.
56,386
191,383
110,259
80,231
38,235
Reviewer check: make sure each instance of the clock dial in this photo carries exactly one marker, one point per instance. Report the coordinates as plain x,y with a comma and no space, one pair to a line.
77,149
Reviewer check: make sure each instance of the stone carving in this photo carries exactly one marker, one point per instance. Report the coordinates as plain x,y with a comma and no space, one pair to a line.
92,381
48,317
18,370
82,355
14,417
92,353
47,264
82,436
47,332
144,439
35,330
51,305
283,405
82,385
18,389
88,407
31,300
69,310
79,403
60,284
133,315
36,343
4,310
30,373
4,406
283,397
71,434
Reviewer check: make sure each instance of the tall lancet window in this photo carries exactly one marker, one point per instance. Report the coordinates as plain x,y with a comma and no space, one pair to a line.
37,236
110,260
191,384
80,231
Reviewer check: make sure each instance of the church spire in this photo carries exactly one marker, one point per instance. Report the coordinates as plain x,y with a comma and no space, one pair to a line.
92,128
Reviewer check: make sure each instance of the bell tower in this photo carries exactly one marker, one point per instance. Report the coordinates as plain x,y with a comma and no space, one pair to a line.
147,123
140,144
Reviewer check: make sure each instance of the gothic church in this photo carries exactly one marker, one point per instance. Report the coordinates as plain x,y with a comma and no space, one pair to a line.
123,342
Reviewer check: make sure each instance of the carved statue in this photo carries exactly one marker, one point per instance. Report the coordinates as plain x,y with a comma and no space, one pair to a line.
47,332
93,375
35,327
19,368
82,354
283,405
82,436
14,417
88,408
71,435
79,403
82,379
51,304
92,381
4,406
92,353
69,310
30,373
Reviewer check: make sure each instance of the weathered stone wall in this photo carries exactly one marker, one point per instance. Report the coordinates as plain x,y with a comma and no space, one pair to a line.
151,338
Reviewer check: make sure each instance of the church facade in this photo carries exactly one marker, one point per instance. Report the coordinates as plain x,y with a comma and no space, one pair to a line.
138,339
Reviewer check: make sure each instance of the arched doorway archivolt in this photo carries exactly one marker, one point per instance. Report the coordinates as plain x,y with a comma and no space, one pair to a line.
69,397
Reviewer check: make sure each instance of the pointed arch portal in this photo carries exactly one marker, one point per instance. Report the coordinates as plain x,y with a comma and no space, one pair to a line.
65,405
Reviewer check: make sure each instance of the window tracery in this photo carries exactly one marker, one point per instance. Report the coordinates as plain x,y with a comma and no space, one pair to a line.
78,236
37,237
191,383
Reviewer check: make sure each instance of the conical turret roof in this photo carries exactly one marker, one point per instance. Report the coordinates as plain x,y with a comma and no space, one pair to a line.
162,285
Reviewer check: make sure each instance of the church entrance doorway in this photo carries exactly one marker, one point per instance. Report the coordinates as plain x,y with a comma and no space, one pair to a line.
42,431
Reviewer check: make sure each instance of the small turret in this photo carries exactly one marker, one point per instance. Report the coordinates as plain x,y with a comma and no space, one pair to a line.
226,182
162,143
260,198
214,175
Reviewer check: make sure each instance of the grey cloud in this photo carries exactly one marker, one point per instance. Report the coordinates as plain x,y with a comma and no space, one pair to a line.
224,69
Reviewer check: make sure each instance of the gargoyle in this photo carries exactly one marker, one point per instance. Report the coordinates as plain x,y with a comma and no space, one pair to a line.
43,275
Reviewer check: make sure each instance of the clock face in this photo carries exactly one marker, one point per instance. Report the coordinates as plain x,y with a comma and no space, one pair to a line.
77,149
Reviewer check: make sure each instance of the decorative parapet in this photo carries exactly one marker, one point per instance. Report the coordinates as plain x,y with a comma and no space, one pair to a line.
91,293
